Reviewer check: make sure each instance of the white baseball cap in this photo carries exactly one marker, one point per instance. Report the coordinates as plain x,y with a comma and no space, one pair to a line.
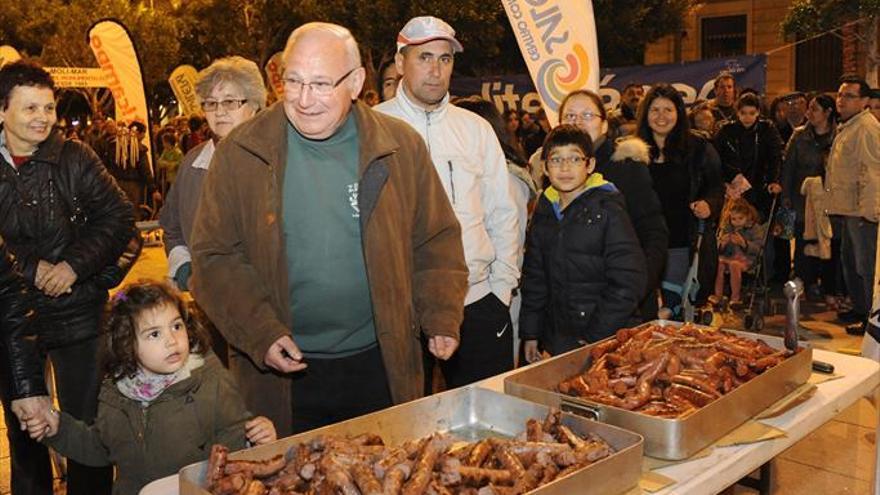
427,28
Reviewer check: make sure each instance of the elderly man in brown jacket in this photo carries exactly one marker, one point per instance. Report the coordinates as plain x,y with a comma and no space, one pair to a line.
324,245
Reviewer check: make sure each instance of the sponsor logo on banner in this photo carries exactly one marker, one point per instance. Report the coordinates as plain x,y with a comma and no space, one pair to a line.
183,83
693,79
115,52
557,39
274,76
8,55
77,77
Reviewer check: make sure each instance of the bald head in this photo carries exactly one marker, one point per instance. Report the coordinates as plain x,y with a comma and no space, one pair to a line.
317,32
322,77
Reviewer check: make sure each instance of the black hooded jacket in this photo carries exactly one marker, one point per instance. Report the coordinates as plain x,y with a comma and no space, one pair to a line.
754,152
584,275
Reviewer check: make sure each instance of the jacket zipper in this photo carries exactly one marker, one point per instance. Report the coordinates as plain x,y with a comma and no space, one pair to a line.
451,182
51,200
142,434
428,130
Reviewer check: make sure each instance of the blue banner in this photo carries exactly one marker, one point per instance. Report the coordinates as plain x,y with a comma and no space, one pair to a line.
693,79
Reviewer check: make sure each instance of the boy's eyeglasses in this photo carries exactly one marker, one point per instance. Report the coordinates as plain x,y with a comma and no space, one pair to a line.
560,161
228,105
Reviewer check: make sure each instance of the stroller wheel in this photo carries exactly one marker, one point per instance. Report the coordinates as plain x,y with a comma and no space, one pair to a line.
758,324
706,317
748,321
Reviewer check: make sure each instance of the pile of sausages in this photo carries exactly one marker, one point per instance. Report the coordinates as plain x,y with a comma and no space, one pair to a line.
667,371
436,465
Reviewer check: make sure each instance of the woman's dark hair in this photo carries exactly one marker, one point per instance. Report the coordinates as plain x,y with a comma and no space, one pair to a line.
827,103
505,116
488,111
597,100
774,108
748,100
676,143
565,134
119,333
22,73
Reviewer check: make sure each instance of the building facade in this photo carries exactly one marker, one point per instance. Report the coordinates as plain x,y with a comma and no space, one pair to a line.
720,28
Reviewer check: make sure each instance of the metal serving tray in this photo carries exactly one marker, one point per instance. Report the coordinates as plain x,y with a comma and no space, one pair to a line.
672,439
470,413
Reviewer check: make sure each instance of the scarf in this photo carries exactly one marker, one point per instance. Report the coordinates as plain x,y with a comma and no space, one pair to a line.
145,386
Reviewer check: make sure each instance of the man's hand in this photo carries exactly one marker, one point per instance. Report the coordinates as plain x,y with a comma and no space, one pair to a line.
530,347
260,430
701,209
774,188
58,280
284,356
442,347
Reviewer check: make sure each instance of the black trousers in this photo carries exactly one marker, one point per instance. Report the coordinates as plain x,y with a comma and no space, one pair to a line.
486,344
77,382
333,390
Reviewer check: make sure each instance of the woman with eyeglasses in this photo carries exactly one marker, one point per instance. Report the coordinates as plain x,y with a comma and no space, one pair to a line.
584,271
231,91
686,173
623,162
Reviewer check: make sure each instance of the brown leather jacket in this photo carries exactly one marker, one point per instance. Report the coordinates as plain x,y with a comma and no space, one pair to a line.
411,241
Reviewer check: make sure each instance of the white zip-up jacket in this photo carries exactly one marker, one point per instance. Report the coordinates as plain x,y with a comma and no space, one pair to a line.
471,165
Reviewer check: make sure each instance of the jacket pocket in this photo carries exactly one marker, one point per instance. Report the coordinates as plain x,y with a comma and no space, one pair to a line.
461,178
579,316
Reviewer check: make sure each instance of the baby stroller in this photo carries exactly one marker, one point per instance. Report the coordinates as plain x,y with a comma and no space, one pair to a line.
757,293
686,309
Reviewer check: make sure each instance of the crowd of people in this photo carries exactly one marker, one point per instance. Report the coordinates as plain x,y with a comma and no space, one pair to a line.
341,248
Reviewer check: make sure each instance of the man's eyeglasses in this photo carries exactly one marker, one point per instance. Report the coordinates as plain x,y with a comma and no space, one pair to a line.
560,161
570,118
228,105
848,96
320,88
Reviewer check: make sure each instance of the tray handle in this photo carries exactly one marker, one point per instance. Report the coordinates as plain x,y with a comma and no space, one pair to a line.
584,410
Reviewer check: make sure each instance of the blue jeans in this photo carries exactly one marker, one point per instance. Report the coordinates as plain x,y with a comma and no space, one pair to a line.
858,251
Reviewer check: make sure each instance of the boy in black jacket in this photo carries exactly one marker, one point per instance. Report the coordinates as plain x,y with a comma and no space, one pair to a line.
584,270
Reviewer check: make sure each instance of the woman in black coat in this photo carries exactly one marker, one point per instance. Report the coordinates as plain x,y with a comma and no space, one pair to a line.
584,271
805,156
68,225
686,173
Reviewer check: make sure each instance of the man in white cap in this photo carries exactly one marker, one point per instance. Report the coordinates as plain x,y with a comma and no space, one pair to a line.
471,166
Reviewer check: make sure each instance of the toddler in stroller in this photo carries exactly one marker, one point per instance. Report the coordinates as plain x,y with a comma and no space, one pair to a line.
740,245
